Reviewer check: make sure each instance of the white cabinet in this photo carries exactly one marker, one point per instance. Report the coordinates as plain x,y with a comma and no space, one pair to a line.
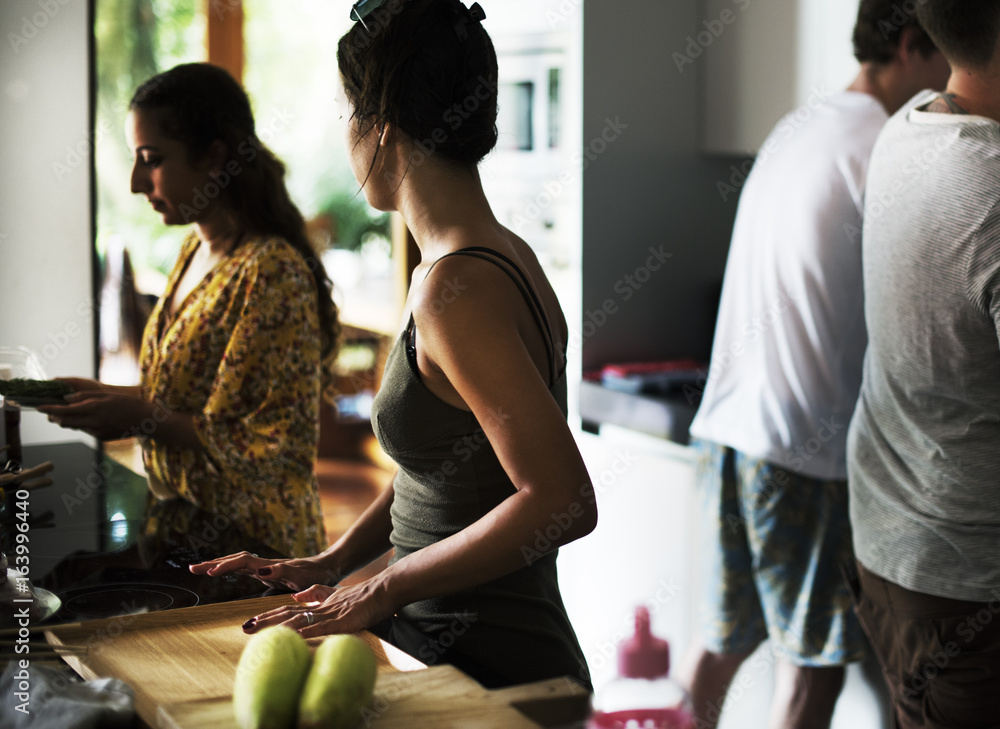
642,552
645,550
762,58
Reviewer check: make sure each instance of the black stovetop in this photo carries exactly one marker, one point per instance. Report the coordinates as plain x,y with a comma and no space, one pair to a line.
105,547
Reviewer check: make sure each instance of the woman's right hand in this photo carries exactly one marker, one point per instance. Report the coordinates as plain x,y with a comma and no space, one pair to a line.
295,574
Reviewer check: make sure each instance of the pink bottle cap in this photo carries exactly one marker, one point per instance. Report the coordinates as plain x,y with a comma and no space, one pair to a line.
643,655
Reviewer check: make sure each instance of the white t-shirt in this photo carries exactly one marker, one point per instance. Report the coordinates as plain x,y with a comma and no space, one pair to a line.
790,338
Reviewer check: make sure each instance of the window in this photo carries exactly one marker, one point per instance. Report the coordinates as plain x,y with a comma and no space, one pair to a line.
292,78
134,40
516,117
290,72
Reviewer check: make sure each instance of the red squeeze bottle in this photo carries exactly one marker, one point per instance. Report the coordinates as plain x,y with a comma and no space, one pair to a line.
643,696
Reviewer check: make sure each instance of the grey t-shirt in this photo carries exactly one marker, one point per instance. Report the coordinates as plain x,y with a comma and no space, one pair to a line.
924,443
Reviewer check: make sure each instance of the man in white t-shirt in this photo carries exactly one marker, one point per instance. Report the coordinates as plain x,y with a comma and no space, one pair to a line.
782,385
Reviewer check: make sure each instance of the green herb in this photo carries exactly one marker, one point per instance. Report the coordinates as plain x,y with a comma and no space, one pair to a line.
47,389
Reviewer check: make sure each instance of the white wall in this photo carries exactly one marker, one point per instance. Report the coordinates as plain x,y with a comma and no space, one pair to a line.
45,192
763,59
647,187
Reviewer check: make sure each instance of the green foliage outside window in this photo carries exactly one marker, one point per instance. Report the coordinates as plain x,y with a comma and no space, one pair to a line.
135,39
291,76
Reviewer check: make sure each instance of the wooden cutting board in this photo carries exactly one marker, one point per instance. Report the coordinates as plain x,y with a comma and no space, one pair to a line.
182,663
439,697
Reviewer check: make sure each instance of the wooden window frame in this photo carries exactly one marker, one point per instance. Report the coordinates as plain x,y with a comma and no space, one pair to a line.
224,40
225,45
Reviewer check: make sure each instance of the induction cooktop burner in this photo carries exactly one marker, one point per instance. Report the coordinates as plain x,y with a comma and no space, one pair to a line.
124,598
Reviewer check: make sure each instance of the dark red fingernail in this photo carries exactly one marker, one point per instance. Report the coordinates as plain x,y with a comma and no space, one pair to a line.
264,571
249,624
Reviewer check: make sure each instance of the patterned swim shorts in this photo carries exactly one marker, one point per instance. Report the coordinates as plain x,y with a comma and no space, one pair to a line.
775,543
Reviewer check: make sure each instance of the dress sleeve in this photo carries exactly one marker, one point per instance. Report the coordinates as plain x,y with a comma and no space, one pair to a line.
261,421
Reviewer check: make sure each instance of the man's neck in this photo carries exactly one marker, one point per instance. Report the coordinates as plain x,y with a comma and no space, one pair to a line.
876,81
977,91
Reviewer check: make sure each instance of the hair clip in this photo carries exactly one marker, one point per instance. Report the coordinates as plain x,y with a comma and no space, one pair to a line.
474,13
363,8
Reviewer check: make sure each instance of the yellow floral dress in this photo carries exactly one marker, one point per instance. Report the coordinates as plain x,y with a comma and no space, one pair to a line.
243,356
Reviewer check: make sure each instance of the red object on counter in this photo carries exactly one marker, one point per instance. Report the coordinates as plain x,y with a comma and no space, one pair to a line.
654,378
644,368
643,655
643,696
642,719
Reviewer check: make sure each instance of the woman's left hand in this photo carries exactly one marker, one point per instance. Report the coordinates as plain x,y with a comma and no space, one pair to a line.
341,610
104,414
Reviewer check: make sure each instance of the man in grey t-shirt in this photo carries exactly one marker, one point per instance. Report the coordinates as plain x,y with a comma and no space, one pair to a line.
924,443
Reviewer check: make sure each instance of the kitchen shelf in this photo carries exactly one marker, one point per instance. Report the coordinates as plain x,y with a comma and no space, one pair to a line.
664,416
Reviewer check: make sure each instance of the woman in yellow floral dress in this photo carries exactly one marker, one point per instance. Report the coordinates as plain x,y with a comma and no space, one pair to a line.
238,351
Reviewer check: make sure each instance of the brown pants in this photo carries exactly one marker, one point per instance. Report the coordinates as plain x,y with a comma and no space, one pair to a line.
940,657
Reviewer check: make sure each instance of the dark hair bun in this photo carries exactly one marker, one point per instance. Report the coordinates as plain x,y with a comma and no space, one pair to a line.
429,68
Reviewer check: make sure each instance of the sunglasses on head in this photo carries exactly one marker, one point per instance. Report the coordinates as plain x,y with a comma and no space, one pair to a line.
363,8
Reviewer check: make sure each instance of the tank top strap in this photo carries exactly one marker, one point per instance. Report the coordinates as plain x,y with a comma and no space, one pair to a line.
524,286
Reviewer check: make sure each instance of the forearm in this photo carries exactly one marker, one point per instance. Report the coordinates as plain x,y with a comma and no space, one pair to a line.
514,535
130,390
365,541
173,429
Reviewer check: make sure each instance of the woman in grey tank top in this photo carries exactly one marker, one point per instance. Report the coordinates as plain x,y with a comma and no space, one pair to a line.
472,405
